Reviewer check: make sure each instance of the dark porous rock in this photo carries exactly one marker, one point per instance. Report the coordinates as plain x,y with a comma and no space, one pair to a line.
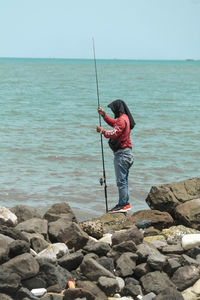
188,213
112,221
9,281
185,277
4,250
131,280
177,248
69,233
59,210
166,197
132,234
107,263
35,282
145,250
18,247
5,297
25,212
156,282
93,270
92,288
108,285
38,244
194,252
25,293
158,218
75,293
132,290
24,265
169,294
186,260
13,233
126,264
141,270
156,261
34,225
127,246
71,261
100,248
172,265
53,274
93,228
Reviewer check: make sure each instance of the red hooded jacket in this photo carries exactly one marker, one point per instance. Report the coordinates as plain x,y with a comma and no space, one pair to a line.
121,130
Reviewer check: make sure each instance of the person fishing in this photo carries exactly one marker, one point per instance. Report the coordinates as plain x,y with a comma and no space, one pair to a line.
121,145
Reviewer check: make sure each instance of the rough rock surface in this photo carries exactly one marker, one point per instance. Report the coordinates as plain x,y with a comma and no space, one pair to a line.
24,212
188,213
158,218
24,265
35,225
93,228
59,210
166,197
69,233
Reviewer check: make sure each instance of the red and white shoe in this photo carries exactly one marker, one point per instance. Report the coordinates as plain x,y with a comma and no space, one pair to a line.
118,208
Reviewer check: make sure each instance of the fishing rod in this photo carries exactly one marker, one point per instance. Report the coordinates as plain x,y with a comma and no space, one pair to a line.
102,180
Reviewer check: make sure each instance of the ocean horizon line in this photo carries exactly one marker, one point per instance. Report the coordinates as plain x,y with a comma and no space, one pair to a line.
91,59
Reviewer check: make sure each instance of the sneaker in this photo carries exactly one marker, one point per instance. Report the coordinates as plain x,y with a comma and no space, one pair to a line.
118,208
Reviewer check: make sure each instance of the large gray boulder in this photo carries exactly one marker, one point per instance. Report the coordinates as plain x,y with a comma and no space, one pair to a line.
25,212
132,234
93,270
126,264
60,210
35,225
189,213
51,274
100,248
185,277
18,247
67,232
169,294
12,233
108,285
9,281
24,265
166,197
156,282
71,261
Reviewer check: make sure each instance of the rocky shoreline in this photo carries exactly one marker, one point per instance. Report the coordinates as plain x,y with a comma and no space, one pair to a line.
150,254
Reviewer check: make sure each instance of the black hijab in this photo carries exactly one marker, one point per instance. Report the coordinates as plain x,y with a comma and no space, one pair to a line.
118,106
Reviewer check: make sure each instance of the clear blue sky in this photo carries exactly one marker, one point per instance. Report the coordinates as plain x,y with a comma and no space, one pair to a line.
123,29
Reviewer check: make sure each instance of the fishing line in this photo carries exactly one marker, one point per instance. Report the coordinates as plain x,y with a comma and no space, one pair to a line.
102,180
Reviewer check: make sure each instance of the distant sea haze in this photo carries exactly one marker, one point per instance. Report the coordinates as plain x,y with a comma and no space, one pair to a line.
50,151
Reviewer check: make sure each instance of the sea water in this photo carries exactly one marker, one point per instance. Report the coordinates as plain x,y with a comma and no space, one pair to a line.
50,151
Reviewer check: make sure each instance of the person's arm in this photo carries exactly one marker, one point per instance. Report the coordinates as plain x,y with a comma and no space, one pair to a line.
109,120
117,130
106,118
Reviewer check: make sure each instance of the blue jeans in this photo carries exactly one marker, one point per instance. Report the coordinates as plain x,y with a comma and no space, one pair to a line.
123,160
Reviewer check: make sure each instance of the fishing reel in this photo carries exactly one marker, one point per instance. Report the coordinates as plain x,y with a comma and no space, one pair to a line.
101,181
